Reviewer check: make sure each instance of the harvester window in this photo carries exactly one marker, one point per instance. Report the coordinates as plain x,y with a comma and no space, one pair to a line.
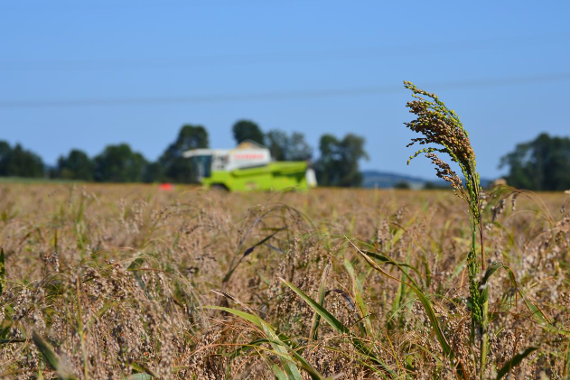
220,162
203,166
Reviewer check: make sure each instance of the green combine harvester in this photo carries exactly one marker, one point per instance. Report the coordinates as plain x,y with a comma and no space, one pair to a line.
249,167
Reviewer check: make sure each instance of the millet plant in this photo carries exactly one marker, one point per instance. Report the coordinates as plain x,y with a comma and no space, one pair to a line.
441,127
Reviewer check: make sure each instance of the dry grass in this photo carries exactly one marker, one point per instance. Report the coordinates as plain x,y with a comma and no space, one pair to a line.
117,279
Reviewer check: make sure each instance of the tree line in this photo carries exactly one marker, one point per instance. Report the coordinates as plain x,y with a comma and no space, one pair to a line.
337,165
540,164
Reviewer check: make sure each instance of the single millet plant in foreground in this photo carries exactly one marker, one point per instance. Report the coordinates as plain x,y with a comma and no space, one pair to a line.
441,127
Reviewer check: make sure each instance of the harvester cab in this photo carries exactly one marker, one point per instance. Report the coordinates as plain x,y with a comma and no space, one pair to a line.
248,167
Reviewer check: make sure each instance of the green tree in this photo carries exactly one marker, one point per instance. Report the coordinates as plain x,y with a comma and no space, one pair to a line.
19,162
541,164
175,167
429,185
288,148
153,172
247,130
77,165
402,185
277,141
118,163
338,164
5,149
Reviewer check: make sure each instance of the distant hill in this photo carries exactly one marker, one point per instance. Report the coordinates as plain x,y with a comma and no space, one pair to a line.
382,180
374,178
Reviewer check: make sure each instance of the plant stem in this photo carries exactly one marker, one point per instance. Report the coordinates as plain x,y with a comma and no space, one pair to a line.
80,329
484,338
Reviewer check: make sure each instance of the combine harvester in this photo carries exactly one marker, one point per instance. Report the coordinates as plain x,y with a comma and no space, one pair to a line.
249,167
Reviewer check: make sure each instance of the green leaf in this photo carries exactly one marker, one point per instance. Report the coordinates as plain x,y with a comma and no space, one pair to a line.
483,288
242,314
278,372
537,313
331,320
566,370
52,358
387,260
427,307
357,289
322,293
490,270
2,270
514,362
278,343
423,299
139,376
246,347
338,326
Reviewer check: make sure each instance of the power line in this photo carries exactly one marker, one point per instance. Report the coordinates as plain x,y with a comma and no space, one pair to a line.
272,96
282,57
113,6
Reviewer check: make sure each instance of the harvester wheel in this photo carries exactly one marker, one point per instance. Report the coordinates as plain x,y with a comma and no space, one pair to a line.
219,187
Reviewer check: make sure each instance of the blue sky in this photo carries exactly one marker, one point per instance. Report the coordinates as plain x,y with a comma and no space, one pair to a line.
87,74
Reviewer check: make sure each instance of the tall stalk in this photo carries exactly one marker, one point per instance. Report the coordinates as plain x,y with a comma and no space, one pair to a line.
443,132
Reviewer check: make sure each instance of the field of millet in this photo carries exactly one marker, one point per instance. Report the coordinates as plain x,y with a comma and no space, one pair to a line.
128,281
